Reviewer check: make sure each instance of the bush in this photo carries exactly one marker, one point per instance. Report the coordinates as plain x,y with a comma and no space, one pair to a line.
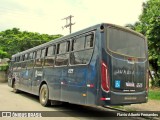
4,67
155,82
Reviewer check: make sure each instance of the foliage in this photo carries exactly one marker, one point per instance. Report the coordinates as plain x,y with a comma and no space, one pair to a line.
4,67
149,25
13,41
3,54
154,94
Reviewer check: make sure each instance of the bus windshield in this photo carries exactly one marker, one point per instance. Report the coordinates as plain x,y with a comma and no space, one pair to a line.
125,43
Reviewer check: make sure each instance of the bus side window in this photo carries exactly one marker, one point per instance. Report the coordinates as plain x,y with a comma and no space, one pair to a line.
68,46
31,61
23,62
15,59
26,57
50,52
43,55
46,52
18,64
82,49
62,55
38,59
57,52
78,43
18,59
61,48
89,41
22,58
34,55
38,54
30,55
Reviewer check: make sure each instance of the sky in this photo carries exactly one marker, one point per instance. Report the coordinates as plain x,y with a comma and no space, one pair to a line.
45,16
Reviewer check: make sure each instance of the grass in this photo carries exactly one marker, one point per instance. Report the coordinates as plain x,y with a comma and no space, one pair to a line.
154,94
118,107
124,108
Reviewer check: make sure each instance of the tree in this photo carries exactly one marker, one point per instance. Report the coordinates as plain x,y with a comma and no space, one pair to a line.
149,25
13,41
134,26
3,54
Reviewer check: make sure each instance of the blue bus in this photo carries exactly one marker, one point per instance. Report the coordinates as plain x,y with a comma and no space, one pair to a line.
105,64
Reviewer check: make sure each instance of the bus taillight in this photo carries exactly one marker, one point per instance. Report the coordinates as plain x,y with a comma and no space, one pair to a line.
105,77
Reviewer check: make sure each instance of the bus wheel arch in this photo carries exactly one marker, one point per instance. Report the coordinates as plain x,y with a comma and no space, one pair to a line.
44,95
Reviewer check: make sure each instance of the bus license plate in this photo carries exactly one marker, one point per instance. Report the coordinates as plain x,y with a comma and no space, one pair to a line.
130,84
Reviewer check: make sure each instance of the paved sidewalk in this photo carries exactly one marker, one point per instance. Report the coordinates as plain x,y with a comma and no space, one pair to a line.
151,105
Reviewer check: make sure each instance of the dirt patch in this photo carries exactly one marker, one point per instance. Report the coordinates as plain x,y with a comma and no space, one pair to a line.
151,105
155,88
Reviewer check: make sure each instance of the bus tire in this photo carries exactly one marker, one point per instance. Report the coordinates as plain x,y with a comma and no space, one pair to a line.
15,90
44,96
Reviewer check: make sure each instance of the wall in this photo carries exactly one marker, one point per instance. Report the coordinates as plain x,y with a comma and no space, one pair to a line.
3,76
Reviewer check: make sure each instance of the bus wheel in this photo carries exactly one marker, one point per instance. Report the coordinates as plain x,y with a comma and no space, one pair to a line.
15,90
44,96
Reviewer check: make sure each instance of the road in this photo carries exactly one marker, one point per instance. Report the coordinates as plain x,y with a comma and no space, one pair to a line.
10,101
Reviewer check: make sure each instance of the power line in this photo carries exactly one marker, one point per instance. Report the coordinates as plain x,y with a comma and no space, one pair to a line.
68,19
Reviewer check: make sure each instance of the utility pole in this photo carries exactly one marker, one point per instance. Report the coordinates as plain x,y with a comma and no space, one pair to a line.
68,24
